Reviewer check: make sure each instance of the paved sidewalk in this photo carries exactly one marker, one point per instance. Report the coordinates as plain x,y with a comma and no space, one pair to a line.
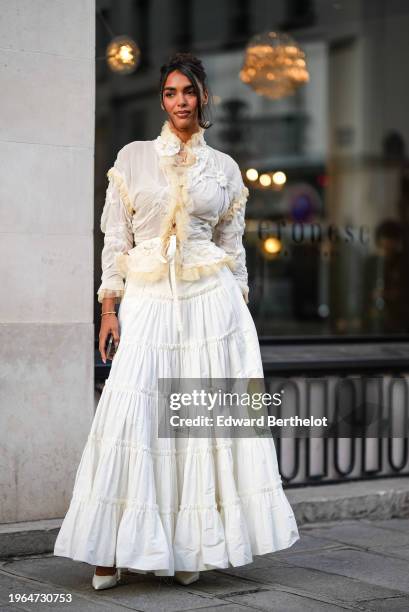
350,565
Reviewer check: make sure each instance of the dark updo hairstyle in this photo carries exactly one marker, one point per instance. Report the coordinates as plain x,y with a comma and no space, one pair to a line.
191,67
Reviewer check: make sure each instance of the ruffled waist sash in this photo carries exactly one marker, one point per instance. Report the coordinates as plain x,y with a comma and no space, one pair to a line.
191,260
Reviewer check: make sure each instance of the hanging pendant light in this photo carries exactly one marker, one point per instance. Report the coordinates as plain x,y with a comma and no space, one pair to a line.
274,66
123,55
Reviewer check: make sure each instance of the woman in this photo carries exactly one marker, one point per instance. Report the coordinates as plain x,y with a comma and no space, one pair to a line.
173,507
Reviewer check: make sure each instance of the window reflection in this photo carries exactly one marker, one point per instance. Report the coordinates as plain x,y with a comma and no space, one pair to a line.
327,234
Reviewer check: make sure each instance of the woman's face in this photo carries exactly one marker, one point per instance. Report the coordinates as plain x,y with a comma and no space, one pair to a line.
180,101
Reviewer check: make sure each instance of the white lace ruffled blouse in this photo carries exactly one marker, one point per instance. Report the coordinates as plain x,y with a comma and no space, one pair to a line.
176,204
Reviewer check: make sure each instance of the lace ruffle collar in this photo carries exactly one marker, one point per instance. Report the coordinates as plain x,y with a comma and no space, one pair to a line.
168,143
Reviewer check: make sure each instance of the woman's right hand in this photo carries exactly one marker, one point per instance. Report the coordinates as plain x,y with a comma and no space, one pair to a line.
109,325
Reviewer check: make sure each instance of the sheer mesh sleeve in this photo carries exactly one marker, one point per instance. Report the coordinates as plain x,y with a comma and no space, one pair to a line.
116,224
228,233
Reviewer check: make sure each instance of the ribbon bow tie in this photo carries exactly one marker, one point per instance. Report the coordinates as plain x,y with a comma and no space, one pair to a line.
170,258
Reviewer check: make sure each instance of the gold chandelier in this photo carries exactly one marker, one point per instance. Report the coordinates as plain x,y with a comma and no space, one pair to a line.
274,66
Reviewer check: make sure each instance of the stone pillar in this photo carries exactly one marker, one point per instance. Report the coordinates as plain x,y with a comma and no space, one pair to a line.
46,252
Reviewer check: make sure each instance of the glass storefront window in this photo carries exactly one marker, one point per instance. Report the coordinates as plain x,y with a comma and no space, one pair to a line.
327,234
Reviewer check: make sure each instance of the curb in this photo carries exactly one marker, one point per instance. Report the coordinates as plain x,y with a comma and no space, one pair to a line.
380,498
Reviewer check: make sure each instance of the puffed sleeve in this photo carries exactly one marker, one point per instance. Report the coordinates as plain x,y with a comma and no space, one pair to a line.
228,233
116,224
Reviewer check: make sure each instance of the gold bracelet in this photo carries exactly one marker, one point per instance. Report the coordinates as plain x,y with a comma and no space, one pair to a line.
108,312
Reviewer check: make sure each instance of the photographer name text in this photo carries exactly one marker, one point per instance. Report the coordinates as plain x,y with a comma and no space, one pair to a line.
260,421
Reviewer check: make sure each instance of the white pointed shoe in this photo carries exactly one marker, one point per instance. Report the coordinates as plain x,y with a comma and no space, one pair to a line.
187,577
106,582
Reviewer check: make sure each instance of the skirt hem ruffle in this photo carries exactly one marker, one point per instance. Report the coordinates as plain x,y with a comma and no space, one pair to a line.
231,534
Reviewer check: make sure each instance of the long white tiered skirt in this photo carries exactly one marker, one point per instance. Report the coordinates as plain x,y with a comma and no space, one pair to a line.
159,504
